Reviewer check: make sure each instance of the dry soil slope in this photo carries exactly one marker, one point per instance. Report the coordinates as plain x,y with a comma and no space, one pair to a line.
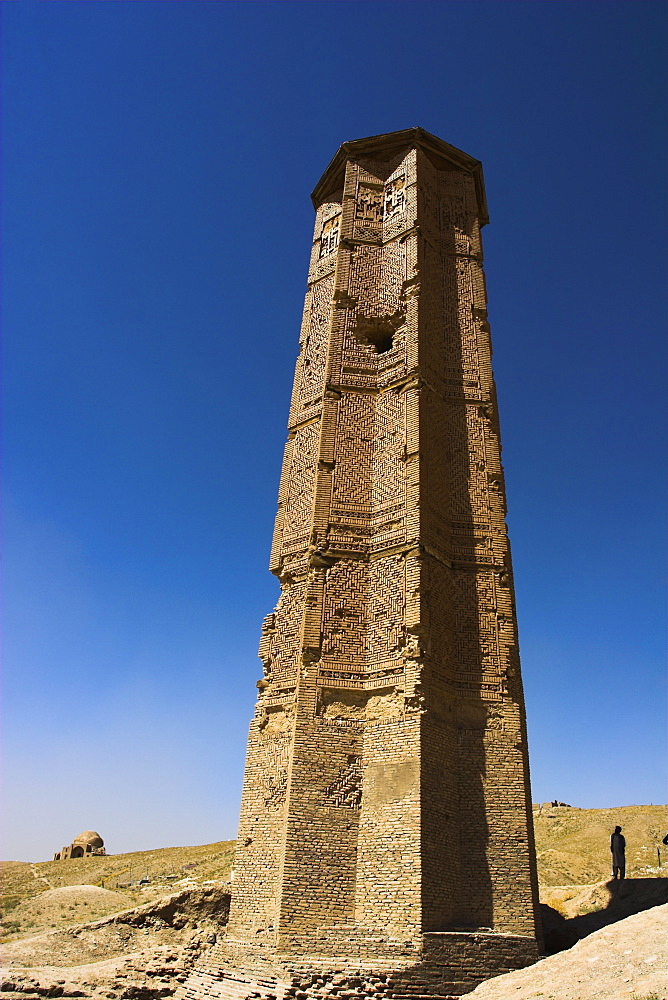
141,953
573,844
71,904
627,960
168,869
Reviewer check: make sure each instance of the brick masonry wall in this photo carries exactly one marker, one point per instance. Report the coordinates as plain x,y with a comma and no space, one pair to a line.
386,793
449,966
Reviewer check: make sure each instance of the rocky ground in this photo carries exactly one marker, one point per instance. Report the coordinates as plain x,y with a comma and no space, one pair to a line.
143,953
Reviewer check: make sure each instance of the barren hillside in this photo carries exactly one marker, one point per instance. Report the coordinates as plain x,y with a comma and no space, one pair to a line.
573,844
131,879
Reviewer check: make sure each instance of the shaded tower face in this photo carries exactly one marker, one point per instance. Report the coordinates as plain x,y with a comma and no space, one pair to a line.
386,791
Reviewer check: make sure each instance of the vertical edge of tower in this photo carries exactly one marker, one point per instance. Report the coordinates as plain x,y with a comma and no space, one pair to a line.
478,857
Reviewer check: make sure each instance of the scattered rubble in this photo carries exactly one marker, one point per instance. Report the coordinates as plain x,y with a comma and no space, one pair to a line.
138,954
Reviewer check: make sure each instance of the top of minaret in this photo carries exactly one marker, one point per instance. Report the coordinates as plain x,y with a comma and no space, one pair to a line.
442,154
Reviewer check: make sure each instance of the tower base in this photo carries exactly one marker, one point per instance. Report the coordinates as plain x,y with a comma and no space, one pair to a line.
447,965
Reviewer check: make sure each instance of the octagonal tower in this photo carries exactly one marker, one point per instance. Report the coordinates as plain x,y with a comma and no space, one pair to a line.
386,818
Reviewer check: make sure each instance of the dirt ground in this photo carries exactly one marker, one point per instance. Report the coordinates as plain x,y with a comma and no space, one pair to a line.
71,904
627,960
142,953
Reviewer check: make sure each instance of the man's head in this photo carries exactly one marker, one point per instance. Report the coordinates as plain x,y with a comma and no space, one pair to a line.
618,829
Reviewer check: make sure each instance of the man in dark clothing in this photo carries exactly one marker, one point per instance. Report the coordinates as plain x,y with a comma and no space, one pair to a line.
618,848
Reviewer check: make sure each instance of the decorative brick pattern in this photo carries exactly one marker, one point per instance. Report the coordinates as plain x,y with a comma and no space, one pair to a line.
309,382
385,818
347,789
298,512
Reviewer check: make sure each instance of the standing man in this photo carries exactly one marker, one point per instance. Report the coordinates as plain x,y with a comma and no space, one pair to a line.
618,848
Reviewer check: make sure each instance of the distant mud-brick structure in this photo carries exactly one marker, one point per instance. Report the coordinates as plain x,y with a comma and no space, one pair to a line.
385,843
87,844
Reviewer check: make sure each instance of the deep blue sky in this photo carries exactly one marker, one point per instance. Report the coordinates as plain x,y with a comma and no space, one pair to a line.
158,160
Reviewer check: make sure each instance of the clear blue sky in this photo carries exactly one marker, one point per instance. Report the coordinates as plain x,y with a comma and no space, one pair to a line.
158,160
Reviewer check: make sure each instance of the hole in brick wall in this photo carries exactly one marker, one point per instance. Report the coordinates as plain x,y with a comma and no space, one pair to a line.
383,344
378,332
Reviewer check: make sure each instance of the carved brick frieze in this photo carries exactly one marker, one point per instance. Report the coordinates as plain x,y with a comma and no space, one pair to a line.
329,239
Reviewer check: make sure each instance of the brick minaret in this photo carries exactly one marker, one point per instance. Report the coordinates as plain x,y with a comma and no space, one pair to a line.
386,818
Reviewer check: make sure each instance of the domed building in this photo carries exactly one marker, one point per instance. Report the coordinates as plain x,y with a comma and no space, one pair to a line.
87,844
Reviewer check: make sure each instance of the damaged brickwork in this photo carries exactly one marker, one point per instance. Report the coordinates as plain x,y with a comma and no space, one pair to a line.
386,818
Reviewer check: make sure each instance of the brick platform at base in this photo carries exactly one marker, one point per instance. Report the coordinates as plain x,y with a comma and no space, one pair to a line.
451,964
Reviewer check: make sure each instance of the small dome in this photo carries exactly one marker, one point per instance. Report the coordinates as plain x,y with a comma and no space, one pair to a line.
89,837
